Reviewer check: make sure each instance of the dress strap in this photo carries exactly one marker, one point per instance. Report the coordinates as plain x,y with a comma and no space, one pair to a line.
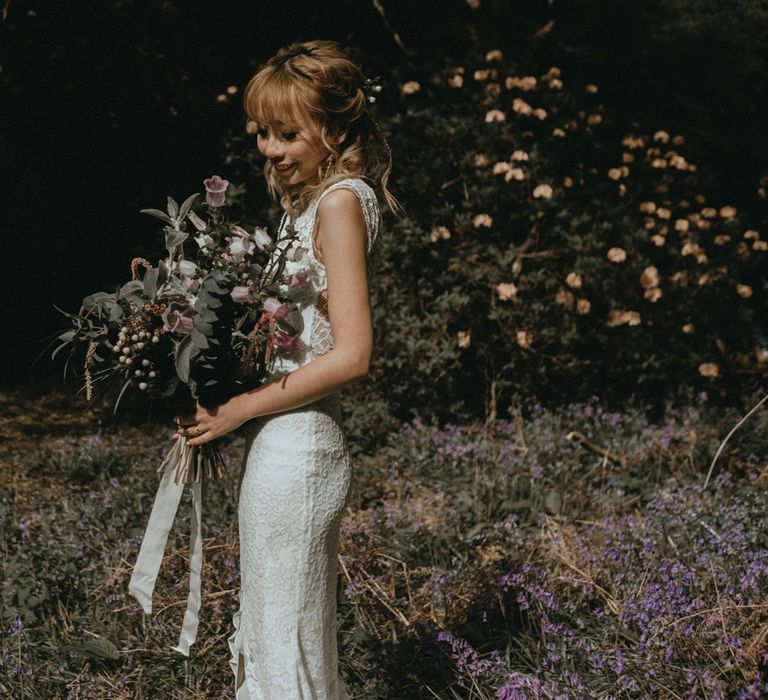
368,203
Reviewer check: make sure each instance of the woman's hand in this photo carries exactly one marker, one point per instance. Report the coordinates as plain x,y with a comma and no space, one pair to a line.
210,423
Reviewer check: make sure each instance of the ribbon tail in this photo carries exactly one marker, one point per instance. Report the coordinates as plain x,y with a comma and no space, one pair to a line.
191,616
142,583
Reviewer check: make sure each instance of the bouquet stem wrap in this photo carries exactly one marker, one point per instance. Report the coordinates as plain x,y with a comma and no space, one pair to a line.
145,571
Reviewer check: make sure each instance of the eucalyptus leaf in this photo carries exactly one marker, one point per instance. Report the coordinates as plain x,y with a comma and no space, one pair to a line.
115,313
199,339
131,287
150,283
183,358
100,648
158,215
187,205
203,326
173,207
174,238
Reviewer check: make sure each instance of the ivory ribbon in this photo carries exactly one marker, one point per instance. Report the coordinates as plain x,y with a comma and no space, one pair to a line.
142,583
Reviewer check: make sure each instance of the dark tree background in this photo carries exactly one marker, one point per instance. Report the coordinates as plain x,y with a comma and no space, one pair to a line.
110,106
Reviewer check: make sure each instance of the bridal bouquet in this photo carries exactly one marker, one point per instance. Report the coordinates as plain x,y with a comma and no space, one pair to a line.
203,324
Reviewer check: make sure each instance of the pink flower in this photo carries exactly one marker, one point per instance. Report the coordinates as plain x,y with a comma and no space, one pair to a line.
297,279
241,294
215,190
276,308
178,322
284,341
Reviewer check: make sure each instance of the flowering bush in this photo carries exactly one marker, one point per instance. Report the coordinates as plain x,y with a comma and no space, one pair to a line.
549,250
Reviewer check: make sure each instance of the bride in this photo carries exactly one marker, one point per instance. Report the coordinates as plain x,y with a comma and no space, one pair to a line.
309,110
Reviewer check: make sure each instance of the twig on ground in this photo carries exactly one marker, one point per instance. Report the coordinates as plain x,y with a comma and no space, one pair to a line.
586,442
728,437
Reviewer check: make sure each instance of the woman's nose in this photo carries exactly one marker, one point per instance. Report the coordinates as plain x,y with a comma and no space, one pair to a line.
273,148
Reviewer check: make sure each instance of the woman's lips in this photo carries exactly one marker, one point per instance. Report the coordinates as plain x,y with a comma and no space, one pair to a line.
284,168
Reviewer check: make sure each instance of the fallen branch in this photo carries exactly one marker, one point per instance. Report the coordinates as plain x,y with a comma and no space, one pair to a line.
586,442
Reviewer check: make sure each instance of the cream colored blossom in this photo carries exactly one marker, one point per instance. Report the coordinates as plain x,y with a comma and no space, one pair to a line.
558,132
573,280
649,223
744,291
527,83
633,142
662,136
620,318
553,72
519,155
481,74
647,207
511,81
456,81
520,106
493,55
688,328
481,160
515,174
555,84
583,306
540,113
506,291
591,88
567,182
680,277
702,259
653,294
709,212
760,245
650,277
658,240
614,173
482,220
751,234
616,254
728,212
703,224
622,189
564,298
439,232
501,167
463,338
494,115
492,90
594,119
691,248
721,239
544,191
524,339
658,163
411,87
709,369
682,225
663,213
627,158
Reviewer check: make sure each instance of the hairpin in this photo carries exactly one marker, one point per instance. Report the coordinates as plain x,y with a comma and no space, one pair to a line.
371,86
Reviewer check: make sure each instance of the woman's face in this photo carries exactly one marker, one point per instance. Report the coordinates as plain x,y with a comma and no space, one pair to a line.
295,151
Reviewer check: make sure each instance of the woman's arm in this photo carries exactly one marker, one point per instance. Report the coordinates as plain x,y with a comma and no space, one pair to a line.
343,240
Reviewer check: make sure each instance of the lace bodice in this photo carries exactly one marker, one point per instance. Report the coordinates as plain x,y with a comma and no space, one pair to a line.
316,337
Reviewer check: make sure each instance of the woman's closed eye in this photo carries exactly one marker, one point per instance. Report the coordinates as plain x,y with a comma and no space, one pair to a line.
285,135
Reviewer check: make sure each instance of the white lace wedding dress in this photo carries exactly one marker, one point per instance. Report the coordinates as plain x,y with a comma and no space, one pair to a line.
292,494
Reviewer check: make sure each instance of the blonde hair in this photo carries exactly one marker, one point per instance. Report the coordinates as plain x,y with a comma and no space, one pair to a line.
315,83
